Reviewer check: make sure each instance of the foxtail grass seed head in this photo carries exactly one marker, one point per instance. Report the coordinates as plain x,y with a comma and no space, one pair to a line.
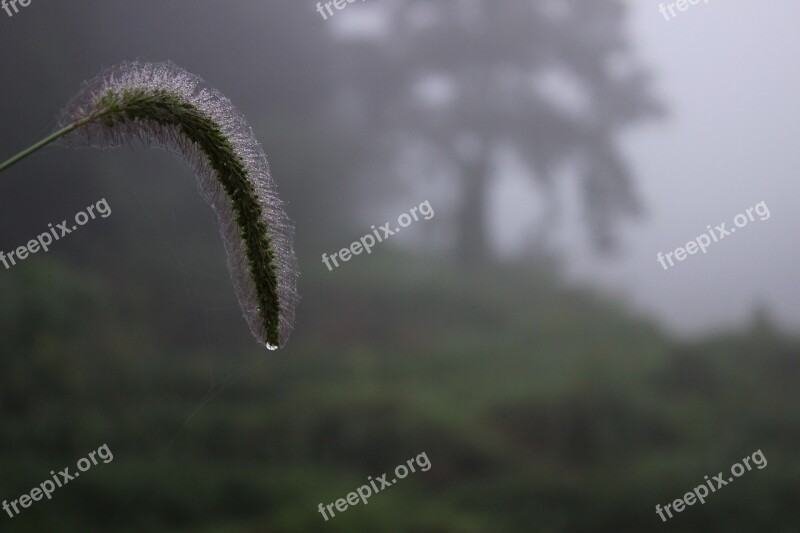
161,105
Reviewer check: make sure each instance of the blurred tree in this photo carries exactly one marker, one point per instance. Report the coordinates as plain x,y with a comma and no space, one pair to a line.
456,83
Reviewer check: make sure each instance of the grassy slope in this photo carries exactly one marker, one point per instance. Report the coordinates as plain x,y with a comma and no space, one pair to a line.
540,408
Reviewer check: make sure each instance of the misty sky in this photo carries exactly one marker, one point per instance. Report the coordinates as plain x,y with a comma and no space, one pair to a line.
728,72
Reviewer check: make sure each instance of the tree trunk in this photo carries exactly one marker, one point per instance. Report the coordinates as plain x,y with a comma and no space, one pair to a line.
472,245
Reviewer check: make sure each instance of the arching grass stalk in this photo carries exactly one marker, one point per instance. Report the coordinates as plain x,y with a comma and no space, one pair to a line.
44,142
164,106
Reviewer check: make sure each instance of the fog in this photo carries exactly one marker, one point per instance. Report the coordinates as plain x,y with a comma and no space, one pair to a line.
730,82
554,330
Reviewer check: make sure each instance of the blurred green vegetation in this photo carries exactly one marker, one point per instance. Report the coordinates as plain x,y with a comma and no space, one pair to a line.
541,408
